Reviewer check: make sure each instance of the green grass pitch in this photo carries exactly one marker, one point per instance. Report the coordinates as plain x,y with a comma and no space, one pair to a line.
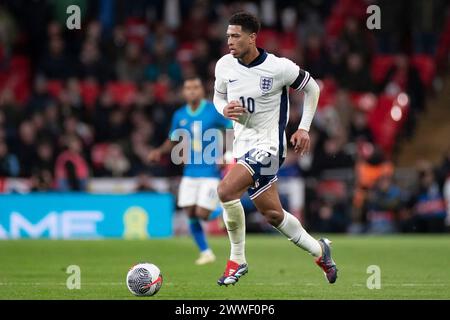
412,267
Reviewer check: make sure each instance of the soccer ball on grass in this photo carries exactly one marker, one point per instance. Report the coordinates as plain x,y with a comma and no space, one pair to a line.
144,279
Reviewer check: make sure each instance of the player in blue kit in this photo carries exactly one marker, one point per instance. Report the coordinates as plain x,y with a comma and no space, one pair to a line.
196,123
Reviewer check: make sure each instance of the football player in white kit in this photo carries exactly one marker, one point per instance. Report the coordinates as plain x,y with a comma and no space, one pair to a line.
251,88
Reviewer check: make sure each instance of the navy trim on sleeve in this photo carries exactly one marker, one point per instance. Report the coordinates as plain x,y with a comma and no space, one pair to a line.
298,81
301,81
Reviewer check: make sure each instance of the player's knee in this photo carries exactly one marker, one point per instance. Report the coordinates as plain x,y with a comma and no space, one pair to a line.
202,213
224,193
190,211
273,217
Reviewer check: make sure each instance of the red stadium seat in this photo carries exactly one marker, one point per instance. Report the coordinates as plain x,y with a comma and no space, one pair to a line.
355,8
380,66
54,87
185,52
335,189
288,42
89,92
18,77
3,185
365,101
334,26
424,63
427,68
22,91
98,154
341,11
136,30
20,64
160,90
443,47
123,93
386,120
327,92
268,38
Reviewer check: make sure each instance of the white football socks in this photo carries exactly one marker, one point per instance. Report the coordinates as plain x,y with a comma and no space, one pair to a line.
293,230
234,218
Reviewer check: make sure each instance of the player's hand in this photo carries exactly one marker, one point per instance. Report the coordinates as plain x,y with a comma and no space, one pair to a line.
234,110
154,155
300,141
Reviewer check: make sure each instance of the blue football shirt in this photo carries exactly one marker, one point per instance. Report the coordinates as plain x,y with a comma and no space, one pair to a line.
196,124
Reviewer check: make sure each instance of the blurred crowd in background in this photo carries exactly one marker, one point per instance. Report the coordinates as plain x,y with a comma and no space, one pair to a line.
77,104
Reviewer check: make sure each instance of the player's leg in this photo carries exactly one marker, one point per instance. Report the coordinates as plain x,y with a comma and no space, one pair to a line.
187,199
206,253
207,201
202,213
199,235
196,231
207,214
215,213
230,190
268,203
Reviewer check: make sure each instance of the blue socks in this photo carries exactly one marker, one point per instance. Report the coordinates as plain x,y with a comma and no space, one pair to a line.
197,233
216,213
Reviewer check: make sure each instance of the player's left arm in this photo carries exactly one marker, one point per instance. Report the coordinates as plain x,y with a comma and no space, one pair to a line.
299,79
300,139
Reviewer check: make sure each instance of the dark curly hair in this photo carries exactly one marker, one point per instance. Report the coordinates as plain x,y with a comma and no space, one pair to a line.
247,21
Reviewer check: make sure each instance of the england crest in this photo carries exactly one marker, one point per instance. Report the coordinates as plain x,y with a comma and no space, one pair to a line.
265,84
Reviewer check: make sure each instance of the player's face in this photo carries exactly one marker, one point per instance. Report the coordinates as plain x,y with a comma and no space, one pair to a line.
239,42
193,90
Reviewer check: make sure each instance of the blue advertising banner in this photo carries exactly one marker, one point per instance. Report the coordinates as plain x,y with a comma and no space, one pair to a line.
86,216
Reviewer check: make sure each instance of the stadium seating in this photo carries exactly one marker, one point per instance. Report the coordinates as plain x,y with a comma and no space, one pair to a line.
386,121
123,93
380,66
17,76
54,87
328,90
332,189
89,92
427,68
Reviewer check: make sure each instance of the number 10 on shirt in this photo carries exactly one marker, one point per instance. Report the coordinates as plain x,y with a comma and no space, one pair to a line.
250,105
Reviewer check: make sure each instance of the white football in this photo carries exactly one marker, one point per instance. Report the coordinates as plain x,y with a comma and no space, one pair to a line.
144,279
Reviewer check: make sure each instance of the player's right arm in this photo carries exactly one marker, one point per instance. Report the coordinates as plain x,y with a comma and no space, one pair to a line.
156,154
233,110
230,110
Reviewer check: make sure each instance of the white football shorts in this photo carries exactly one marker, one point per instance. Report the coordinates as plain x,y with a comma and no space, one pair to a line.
201,192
